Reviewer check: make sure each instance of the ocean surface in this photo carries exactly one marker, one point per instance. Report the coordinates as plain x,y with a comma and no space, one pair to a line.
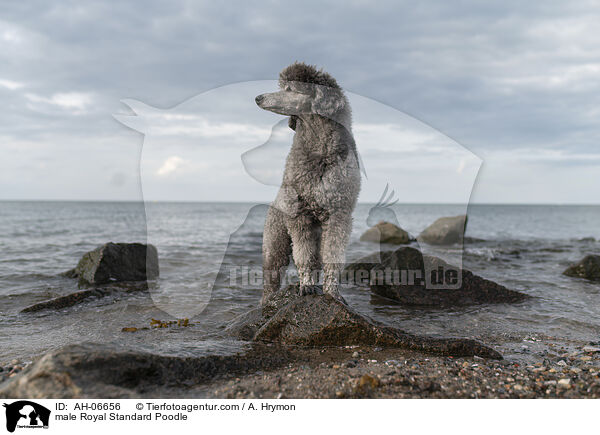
525,248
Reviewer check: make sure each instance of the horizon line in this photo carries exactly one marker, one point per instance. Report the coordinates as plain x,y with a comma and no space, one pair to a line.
267,202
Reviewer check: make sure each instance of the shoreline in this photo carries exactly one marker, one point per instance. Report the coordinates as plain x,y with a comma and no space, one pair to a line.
275,372
404,374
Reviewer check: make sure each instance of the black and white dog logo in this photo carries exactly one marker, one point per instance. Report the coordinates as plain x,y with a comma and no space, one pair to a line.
26,414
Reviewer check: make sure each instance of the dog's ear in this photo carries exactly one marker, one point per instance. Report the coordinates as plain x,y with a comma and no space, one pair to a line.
292,122
329,102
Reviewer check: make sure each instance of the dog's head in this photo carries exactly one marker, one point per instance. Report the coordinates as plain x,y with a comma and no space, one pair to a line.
305,90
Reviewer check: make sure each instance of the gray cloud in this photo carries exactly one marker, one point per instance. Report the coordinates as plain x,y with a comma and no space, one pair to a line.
495,77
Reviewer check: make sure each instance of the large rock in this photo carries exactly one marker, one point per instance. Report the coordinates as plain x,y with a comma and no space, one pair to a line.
92,370
445,231
473,289
386,232
588,268
117,262
320,320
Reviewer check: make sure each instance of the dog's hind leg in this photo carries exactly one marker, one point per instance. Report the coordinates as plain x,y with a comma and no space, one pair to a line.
336,234
277,247
306,237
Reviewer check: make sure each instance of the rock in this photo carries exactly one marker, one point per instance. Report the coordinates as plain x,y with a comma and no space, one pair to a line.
116,262
588,240
473,240
588,268
565,382
365,385
386,232
445,231
92,370
591,349
368,380
473,290
405,258
355,354
320,320
78,297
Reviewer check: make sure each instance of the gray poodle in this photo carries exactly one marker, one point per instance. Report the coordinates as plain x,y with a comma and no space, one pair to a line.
311,217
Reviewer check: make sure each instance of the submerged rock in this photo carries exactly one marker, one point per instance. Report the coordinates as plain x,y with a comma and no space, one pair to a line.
81,296
473,240
587,240
473,290
116,262
588,268
386,232
445,231
92,370
320,320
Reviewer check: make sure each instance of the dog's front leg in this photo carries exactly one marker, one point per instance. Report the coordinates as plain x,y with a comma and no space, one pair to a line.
336,234
277,248
306,236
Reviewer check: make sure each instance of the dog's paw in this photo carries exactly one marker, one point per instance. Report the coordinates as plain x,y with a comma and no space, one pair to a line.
310,290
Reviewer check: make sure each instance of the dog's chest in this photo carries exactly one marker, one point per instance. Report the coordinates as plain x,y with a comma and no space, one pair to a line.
308,178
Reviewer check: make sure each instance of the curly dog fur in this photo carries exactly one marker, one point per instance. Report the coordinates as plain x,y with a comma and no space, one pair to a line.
311,217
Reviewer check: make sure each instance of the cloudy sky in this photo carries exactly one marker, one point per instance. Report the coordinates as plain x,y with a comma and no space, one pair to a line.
515,84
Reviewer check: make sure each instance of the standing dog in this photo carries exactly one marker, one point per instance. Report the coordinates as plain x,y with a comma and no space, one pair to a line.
311,217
